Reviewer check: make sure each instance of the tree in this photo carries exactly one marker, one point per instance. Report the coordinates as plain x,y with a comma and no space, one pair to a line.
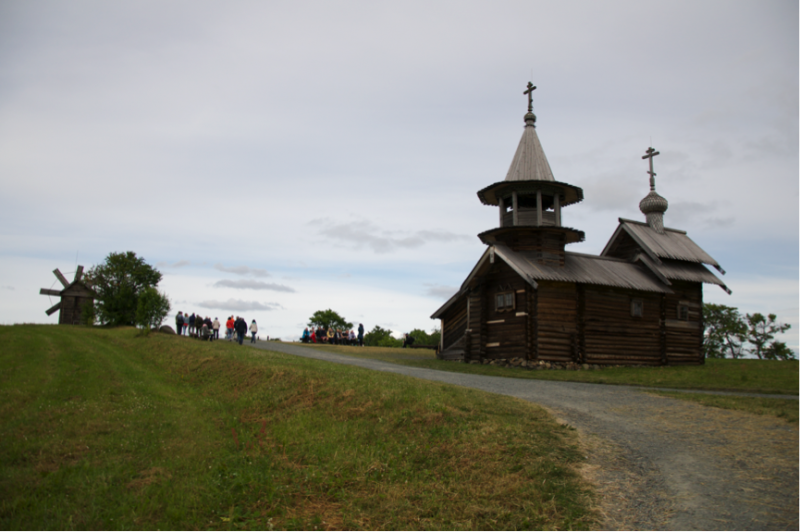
761,330
779,351
423,338
724,333
152,308
119,282
327,319
380,337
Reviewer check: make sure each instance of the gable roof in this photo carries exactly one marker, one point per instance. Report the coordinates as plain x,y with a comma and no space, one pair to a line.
672,244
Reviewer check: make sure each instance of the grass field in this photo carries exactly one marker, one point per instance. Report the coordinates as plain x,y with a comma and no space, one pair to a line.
749,376
754,376
104,429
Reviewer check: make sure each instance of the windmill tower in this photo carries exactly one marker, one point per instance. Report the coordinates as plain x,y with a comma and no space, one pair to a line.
73,296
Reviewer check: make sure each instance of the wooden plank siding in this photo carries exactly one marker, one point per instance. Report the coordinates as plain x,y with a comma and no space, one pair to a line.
556,321
454,323
684,338
505,331
611,335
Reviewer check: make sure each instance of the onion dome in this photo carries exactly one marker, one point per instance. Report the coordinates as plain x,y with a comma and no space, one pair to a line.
653,206
653,203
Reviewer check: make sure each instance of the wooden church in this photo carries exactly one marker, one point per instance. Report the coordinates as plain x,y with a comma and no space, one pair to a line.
638,303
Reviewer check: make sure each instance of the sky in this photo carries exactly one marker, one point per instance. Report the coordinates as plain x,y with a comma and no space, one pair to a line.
276,158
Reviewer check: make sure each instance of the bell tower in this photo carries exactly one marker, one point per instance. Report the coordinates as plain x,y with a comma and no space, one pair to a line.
530,202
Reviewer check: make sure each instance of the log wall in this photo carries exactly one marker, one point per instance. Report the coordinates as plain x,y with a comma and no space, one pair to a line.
611,335
557,322
454,323
504,332
684,338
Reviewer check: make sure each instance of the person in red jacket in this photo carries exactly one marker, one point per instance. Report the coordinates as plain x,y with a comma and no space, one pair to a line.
229,327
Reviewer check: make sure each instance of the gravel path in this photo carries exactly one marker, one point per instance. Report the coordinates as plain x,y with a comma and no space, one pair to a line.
658,463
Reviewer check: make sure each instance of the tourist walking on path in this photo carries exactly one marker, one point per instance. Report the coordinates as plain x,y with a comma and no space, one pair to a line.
179,323
229,328
253,331
361,334
215,326
241,329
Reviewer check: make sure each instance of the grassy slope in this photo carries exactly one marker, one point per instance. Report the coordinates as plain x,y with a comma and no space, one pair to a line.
764,376
761,376
102,429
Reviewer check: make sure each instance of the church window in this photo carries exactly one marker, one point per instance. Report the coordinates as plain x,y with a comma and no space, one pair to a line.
637,308
683,312
504,301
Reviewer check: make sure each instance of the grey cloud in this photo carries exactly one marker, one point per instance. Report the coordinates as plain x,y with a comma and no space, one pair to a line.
249,284
692,213
6,288
179,264
242,270
366,234
237,305
440,292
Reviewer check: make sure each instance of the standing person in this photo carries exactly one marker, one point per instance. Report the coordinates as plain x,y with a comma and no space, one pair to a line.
229,326
191,324
361,334
215,326
253,331
241,329
179,323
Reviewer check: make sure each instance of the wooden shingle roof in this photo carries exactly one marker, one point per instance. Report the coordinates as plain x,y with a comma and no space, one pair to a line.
672,244
529,162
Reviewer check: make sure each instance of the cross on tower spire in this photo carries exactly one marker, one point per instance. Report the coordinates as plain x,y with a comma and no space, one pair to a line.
650,154
529,92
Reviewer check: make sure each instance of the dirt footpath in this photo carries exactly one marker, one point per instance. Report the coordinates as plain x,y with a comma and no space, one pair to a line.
658,463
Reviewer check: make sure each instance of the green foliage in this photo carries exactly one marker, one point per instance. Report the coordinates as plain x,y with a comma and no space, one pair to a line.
152,308
119,282
725,330
380,337
779,351
423,338
88,313
760,331
329,318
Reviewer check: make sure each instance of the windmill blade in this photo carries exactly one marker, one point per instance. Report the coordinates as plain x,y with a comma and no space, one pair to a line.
53,308
61,277
78,274
49,292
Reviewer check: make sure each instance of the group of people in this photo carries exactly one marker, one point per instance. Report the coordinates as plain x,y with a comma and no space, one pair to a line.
239,327
333,336
196,326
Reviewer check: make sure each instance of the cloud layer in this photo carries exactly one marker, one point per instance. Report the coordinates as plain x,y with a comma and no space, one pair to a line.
249,284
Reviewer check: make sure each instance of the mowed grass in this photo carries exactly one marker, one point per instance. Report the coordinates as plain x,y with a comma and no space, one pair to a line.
754,376
104,429
785,409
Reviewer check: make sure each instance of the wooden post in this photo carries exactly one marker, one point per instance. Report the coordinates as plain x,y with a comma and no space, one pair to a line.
539,208
557,208
514,207
663,329
502,210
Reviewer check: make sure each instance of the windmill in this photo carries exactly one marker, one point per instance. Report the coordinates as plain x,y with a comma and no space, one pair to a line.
73,296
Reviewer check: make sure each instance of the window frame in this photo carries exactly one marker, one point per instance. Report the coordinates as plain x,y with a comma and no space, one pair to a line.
637,308
505,307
